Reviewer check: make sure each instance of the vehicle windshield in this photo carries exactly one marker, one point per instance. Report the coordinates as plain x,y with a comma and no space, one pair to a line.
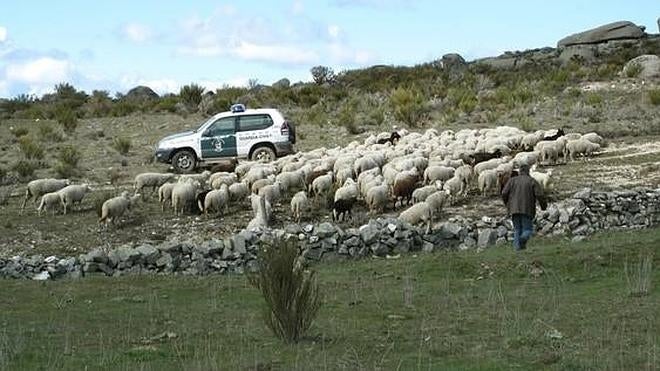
202,125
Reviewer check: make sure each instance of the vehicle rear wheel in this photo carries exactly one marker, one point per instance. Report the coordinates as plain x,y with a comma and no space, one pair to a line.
184,161
263,153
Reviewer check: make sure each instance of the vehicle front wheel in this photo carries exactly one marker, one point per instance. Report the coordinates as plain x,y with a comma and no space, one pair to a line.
263,153
184,161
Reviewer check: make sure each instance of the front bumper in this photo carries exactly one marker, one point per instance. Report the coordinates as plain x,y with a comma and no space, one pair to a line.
284,148
164,155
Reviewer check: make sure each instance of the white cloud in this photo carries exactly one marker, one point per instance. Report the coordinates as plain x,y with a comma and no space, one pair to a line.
3,34
274,53
45,70
333,31
297,7
136,32
344,54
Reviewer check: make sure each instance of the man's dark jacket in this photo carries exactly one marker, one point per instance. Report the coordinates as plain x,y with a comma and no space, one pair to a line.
521,193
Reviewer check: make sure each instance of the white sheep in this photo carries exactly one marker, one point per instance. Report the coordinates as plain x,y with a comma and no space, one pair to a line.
49,201
376,198
183,195
39,187
593,138
528,158
579,147
420,194
542,178
417,213
222,178
454,187
260,183
73,194
438,172
348,191
322,185
488,180
115,207
299,203
217,200
202,177
343,174
292,180
150,180
272,192
437,201
238,192
165,194
364,164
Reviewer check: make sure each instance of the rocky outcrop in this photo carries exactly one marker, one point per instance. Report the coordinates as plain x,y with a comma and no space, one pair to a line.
648,65
141,94
584,213
622,30
452,60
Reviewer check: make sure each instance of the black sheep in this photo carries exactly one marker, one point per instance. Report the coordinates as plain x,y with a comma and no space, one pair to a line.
394,137
560,133
199,198
341,208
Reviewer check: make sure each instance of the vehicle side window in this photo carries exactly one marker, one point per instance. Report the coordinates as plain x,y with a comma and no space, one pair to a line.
224,125
254,122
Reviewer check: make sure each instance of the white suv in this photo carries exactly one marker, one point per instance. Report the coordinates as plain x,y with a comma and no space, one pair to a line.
257,134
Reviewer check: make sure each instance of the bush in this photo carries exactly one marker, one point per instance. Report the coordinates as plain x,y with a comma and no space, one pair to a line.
634,69
594,99
322,74
69,155
654,97
25,168
346,117
292,296
407,106
19,132
191,95
121,144
99,199
3,174
66,117
30,149
48,133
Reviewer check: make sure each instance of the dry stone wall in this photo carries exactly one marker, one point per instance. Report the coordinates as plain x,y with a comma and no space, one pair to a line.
584,213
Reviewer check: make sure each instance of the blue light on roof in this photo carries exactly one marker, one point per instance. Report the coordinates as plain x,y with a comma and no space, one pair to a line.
238,107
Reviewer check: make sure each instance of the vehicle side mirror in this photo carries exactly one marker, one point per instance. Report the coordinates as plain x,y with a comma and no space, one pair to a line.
207,134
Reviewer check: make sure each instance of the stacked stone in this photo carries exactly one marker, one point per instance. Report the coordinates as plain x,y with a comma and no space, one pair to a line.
585,212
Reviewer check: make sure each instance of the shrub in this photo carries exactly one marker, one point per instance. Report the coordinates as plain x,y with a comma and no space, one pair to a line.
322,74
99,199
48,133
3,174
121,144
634,69
66,117
30,149
407,106
654,97
346,117
5,194
594,99
19,132
292,296
69,155
25,168
191,95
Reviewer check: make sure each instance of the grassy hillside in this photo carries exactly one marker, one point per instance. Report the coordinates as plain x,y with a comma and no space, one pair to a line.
558,306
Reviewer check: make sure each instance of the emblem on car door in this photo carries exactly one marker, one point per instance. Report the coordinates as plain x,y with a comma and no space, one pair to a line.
218,143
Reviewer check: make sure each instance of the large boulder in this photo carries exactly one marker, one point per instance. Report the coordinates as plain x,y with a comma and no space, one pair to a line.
612,31
581,53
141,94
648,64
452,60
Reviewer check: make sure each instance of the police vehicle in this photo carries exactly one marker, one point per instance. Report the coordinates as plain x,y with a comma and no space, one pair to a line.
256,134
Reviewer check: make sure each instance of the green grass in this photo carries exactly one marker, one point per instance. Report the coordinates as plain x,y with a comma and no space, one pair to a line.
462,311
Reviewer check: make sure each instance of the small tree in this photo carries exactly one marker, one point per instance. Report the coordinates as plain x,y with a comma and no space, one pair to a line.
122,145
68,158
191,95
322,74
292,296
407,106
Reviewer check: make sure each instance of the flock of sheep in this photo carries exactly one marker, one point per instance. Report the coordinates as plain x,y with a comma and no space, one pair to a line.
423,172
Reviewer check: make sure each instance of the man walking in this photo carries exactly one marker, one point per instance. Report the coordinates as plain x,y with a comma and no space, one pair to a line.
520,195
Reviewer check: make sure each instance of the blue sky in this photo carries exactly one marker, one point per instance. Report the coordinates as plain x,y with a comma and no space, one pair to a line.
116,45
